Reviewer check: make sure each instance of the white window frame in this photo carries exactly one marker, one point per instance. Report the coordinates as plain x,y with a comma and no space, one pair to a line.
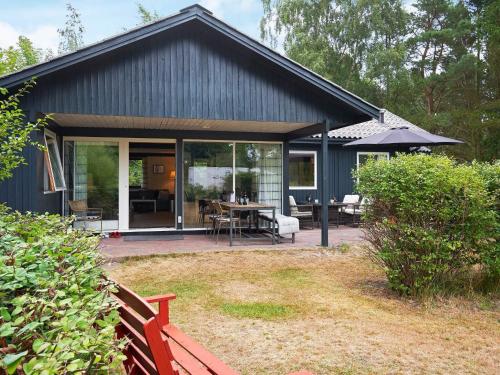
315,155
373,153
50,137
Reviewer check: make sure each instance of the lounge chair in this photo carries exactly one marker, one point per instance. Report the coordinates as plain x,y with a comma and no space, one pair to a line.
286,225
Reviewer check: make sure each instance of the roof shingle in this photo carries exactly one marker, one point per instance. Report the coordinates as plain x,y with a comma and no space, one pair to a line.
374,126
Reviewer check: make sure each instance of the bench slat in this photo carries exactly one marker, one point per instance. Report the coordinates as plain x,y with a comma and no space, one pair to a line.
187,361
198,351
137,339
142,360
133,300
133,319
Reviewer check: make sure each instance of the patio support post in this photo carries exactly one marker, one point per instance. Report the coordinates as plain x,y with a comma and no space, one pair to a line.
179,192
324,183
286,179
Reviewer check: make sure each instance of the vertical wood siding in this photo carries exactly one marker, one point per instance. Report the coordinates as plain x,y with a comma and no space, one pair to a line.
24,191
185,73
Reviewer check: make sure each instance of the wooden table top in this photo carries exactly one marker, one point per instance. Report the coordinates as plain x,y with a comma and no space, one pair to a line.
334,204
249,206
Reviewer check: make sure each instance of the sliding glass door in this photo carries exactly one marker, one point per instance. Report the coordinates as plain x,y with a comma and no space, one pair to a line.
223,170
208,174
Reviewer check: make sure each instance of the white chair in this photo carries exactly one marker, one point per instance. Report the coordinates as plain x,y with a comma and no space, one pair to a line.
352,210
285,224
303,212
356,209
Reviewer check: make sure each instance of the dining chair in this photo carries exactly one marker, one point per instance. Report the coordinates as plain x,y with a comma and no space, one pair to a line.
223,219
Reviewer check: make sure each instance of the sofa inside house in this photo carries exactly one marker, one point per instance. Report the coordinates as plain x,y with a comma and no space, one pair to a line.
141,199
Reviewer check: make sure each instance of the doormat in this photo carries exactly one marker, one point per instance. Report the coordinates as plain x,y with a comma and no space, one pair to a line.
153,237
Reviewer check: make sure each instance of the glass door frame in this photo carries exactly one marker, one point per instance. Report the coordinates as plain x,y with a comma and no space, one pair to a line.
233,142
123,175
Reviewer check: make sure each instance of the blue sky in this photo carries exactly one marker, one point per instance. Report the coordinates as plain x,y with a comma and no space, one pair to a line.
40,19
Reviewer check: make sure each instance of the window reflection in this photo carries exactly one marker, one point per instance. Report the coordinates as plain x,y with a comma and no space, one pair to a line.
208,174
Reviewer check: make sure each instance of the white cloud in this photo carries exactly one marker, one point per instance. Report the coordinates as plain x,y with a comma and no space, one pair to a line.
42,36
8,35
219,7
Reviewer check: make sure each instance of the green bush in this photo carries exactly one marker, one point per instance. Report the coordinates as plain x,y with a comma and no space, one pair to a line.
490,259
430,220
56,313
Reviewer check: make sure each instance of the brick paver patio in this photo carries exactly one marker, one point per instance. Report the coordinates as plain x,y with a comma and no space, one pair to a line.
119,248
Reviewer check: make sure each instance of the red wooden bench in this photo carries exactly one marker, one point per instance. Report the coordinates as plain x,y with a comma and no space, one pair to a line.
158,347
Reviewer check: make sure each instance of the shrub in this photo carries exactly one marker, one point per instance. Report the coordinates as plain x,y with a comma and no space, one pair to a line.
56,313
429,220
490,257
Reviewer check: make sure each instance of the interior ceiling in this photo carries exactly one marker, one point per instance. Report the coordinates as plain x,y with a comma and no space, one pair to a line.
165,123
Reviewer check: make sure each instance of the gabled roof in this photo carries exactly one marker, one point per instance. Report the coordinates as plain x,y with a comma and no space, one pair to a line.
367,128
201,14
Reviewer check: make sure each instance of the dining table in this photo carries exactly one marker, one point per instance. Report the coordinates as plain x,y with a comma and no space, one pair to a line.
253,208
337,206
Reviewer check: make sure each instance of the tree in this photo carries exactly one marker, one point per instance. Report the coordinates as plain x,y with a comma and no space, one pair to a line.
342,40
71,36
15,132
437,66
146,15
20,56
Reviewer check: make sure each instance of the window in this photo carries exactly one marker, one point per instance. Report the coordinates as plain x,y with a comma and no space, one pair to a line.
53,176
362,157
258,172
208,174
91,169
303,170
227,170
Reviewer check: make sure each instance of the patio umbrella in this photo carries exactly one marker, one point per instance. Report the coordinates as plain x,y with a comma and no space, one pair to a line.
405,137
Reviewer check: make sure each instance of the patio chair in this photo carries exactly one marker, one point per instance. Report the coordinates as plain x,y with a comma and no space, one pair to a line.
85,213
303,212
351,200
357,210
212,216
222,219
202,210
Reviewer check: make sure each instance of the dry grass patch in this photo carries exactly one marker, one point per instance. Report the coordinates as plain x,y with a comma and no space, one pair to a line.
268,312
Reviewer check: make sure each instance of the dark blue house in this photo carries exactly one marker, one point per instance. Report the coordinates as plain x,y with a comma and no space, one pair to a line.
146,124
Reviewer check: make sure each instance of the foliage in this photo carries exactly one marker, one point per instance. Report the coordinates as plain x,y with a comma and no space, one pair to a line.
197,191
490,172
436,65
136,173
56,312
20,56
429,220
15,132
71,35
146,15
340,39
102,171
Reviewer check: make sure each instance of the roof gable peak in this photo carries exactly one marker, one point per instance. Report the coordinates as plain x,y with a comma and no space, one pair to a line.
195,8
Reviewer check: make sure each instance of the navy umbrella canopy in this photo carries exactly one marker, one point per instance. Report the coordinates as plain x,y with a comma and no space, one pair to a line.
403,137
